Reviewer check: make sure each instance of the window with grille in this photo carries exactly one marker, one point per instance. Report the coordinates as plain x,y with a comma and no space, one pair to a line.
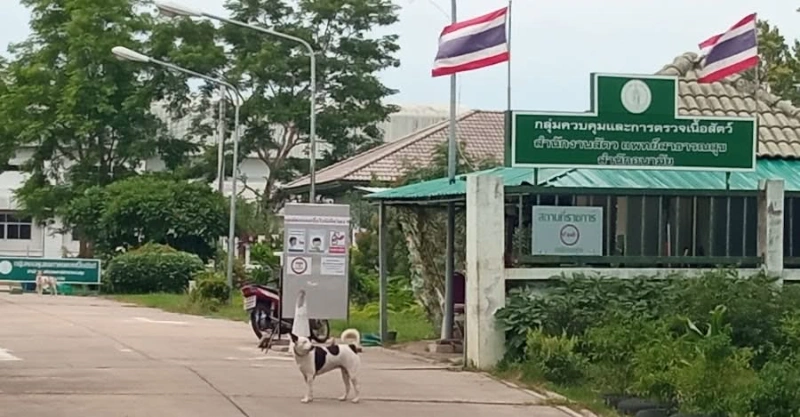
13,227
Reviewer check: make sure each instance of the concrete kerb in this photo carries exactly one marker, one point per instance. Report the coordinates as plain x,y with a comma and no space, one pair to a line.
540,394
547,395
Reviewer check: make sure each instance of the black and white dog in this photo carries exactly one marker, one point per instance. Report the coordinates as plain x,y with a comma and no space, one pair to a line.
314,360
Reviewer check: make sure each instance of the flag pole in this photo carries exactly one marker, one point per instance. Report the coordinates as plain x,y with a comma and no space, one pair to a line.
447,318
508,64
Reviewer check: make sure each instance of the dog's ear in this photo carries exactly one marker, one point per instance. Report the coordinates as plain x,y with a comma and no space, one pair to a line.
293,337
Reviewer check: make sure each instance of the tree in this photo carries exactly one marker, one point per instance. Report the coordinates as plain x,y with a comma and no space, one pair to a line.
188,216
84,114
779,63
7,145
275,74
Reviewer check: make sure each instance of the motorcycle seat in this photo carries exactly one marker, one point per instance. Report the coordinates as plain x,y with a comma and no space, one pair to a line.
269,288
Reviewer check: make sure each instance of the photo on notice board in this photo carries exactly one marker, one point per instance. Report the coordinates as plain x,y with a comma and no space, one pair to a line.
317,238
297,240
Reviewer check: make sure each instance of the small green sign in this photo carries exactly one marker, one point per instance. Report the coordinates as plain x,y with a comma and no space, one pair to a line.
633,124
66,270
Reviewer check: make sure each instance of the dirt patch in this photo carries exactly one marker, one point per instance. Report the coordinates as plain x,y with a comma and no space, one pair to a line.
420,348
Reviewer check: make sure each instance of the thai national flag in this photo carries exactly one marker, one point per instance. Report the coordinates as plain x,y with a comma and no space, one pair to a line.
472,44
731,52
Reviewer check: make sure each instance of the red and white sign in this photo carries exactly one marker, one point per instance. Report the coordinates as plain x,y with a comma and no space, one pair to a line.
300,265
337,242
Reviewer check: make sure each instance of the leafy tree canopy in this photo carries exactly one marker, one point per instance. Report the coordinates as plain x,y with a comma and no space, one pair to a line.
780,63
274,73
83,115
188,216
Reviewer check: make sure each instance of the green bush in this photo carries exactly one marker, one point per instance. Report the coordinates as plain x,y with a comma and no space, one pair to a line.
555,357
240,274
611,347
753,306
152,268
778,390
210,286
718,344
264,255
714,378
572,305
263,276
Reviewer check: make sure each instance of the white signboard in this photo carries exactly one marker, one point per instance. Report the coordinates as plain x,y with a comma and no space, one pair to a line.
567,231
316,259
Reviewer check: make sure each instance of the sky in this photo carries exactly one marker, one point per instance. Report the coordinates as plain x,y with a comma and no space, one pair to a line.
555,44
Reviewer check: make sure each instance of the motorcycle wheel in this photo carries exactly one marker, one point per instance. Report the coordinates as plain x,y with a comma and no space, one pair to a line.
320,330
259,320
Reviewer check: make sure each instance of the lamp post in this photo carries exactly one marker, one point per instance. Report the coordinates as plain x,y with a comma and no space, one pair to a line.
172,9
129,55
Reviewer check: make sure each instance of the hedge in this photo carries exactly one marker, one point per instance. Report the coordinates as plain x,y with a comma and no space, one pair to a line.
715,345
152,268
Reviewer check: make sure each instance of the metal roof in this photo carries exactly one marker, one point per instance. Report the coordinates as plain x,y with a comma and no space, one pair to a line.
442,189
612,179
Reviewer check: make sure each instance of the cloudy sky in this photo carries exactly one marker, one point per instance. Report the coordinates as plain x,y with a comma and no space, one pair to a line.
555,44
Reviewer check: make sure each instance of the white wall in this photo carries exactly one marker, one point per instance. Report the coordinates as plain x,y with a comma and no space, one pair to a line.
44,241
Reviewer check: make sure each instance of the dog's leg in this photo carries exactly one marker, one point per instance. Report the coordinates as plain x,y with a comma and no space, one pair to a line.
309,390
346,380
356,389
55,289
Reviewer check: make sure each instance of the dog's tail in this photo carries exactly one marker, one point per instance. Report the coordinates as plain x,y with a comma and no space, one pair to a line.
352,337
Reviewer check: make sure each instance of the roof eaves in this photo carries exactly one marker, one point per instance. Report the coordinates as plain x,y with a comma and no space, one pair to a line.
398,145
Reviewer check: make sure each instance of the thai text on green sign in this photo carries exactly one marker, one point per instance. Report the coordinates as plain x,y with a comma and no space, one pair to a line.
634,123
69,271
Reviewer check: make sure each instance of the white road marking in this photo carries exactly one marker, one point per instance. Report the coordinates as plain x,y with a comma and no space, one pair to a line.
5,356
146,320
260,358
125,350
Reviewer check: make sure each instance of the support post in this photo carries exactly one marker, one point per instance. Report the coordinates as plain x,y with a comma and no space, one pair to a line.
447,317
384,319
485,341
449,270
770,225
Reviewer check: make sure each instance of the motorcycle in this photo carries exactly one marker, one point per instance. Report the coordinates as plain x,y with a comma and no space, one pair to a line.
263,304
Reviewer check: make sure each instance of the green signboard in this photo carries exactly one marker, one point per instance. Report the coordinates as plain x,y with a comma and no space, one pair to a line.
68,271
633,124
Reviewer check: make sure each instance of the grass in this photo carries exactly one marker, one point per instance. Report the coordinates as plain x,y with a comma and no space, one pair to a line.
580,395
410,325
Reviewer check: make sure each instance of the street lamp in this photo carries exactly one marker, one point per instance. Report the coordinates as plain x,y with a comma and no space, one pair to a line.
172,9
129,55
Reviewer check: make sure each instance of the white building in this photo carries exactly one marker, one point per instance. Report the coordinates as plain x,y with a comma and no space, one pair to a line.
19,236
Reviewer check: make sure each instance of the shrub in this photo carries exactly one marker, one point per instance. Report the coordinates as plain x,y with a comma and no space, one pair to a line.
363,284
263,276
555,357
211,286
715,377
611,348
152,268
573,305
656,339
240,274
263,255
753,305
778,390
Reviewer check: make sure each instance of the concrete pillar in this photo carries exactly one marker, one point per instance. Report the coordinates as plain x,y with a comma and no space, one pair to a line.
770,225
485,339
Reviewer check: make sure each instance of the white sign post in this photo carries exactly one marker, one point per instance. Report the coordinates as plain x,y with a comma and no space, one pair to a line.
316,239
567,231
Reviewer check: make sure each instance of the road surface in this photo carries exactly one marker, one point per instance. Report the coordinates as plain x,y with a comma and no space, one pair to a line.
88,357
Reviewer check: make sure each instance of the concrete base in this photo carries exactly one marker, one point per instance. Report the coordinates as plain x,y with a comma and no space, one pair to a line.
446,346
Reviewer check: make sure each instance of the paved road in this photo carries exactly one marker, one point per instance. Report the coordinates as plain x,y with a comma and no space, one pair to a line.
87,357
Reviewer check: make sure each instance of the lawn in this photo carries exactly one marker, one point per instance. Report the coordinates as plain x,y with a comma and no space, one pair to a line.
409,325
